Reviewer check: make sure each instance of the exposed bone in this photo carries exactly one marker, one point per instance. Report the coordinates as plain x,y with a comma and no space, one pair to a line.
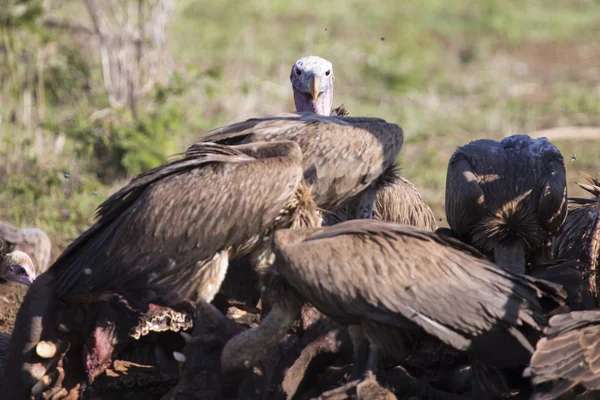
42,384
45,349
339,391
180,357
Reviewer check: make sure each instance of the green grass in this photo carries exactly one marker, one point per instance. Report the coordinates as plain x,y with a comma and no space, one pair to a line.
447,71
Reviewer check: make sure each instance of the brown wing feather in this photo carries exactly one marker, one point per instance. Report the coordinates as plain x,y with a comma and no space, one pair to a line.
341,156
164,225
579,237
402,203
568,356
401,275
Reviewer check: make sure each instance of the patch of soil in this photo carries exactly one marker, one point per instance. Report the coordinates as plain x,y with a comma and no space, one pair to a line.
11,297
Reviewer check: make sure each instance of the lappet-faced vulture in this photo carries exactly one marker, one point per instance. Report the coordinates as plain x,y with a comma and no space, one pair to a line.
163,239
32,241
568,357
579,237
399,283
344,159
506,198
399,200
312,82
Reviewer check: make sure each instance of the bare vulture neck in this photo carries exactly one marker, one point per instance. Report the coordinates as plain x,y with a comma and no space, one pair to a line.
510,255
321,106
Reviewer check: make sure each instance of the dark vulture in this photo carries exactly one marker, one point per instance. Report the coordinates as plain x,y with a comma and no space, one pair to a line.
567,357
579,237
4,342
32,241
344,159
400,283
506,198
398,201
163,239
17,266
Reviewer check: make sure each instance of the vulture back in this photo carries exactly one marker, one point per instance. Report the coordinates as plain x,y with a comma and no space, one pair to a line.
159,233
489,198
410,279
341,156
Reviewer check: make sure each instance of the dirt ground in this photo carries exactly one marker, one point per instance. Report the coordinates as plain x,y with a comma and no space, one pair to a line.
11,296
13,293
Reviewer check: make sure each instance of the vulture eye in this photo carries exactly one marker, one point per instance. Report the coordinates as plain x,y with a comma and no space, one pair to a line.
328,72
298,72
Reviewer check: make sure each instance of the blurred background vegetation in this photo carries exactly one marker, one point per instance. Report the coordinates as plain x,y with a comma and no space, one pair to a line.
96,91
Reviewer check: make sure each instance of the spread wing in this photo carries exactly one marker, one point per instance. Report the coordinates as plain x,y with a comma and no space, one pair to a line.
165,224
568,356
398,274
341,156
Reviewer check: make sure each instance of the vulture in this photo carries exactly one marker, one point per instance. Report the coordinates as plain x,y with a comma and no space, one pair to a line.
566,358
4,342
312,83
164,239
32,241
399,201
344,159
17,266
579,237
506,198
400,283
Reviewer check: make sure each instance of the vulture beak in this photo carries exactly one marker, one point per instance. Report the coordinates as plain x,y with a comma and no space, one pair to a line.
19,274
20,268
314,86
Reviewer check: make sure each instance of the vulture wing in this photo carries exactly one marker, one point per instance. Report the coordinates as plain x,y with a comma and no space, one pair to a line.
403,276
568,356
159,230
341,156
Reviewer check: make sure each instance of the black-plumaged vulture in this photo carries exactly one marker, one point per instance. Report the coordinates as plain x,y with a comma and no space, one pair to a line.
506,198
